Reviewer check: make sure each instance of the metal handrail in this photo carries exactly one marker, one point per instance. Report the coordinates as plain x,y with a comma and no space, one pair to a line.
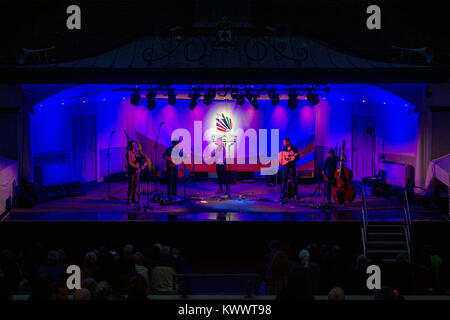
407,220
364,221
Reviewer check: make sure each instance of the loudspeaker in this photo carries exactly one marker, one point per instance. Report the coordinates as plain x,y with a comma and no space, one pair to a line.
57,191
75,189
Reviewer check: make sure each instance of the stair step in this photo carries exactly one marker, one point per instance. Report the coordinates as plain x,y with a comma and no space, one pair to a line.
386,243
389,260
386,252
387,234
380,225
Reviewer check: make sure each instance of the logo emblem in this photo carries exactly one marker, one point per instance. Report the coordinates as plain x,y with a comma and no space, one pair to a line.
223,123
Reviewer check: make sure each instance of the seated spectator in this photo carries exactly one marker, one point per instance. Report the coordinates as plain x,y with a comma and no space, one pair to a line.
277,273
336,294
162,280
89,284
90,268
141,270
297,288
308,271
56,271
181,261
103,291
137,288
41,288
5,292
82,295
60,292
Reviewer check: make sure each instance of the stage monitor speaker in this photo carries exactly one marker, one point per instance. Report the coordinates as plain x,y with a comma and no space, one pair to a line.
40,194
57,191
75,189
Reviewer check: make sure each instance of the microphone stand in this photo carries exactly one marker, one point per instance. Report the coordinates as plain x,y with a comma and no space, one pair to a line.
109,197
154,159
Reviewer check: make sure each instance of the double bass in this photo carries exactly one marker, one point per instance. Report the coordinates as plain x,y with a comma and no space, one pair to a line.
343,192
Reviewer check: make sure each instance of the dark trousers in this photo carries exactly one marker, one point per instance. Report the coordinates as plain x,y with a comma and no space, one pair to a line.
133,180
330,184
289,172
172,180
222,175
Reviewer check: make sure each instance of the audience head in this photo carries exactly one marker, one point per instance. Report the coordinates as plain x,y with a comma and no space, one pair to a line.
175,253
90,258
89,284
138,258
60,292
336,294
103,290
53,257
303,257
128,250
82,294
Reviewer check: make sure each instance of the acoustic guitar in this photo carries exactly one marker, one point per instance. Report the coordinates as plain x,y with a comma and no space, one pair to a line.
287,156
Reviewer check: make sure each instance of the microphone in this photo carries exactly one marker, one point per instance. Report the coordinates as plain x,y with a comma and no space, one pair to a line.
112,132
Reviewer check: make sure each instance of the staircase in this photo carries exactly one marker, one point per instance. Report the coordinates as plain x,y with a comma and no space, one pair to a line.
386,239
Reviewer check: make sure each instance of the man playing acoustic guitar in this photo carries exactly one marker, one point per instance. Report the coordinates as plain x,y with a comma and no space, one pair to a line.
288,158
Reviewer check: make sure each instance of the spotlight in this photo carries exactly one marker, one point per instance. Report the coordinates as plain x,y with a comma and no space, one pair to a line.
292,99
312,98
151,101
252,98
274,97
209,96
240,100
194,95
135,97
171,97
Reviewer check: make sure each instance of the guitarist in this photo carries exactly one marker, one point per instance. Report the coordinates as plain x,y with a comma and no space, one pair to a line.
172,170
289,168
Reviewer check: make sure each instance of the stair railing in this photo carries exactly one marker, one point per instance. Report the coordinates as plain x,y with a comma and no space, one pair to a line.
364,220
407,220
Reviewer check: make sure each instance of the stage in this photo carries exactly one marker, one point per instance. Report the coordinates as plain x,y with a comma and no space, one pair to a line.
250,201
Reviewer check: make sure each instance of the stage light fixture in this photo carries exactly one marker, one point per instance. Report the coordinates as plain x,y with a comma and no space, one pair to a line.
194,95
209,96
240,99
274,97
292,99
135,97
151,99
171,97
252,98
312,98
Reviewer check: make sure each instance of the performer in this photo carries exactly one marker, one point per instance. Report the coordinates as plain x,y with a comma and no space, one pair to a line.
290,168
222,174
172,169
134,167
329,168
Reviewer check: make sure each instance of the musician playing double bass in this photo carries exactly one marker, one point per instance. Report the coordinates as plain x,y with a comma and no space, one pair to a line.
329,169
172,169
290,168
